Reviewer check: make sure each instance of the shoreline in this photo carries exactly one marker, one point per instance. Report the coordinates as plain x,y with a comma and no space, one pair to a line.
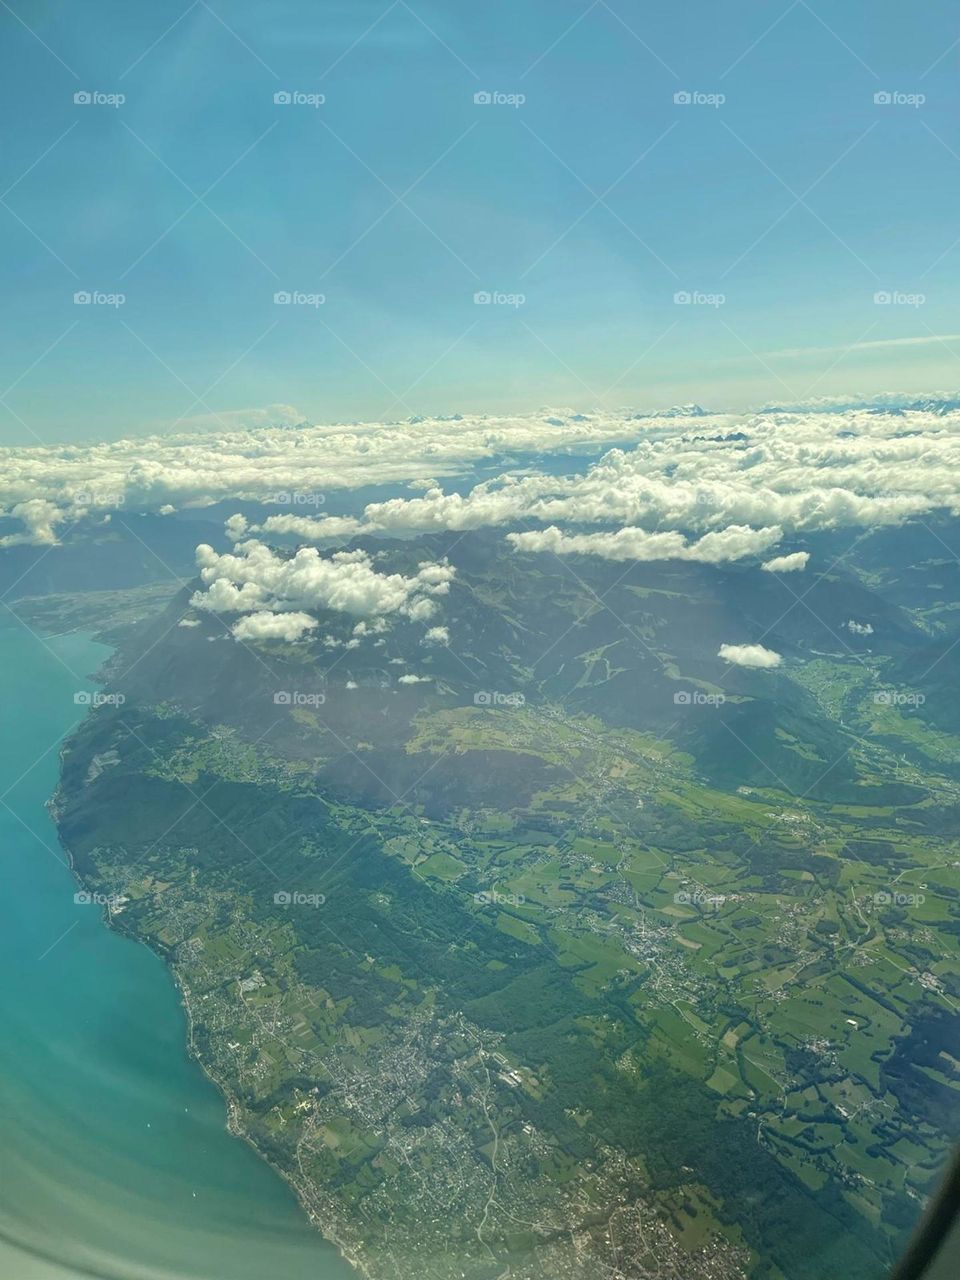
233,1124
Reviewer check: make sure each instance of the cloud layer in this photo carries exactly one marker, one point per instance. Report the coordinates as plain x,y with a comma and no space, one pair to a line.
795,472
701,490
271,463
712,488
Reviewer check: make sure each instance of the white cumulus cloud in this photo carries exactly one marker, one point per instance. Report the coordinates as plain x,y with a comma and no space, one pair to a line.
266,586
273,626
793,563
312,529
235,527
39,519
750,655
636,544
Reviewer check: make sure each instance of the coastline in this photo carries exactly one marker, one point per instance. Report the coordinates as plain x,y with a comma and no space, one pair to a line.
234,1123
115,1141
236,1128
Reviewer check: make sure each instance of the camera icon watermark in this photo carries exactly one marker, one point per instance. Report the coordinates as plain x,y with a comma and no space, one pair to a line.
297,98
493,698
295,498
898,698
697,698
895,298
95,298
494,298
86,898
96,698
494,98
698,898
895,98
296,298
94,98
695,98
92,498
288,698
694,298
493,897
894,898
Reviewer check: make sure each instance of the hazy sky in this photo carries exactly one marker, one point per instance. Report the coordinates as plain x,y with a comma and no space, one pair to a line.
782,210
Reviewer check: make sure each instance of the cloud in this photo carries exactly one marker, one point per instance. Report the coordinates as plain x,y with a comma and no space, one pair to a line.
795,472
787,564
878,344
39,518
437,635
862,400
859,628
412,679
256,580
253,455
713,488
484,505
235,527
700,489
749,655
635,544
312,529
273,626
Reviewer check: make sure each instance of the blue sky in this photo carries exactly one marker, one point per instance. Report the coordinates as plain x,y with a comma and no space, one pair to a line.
597,200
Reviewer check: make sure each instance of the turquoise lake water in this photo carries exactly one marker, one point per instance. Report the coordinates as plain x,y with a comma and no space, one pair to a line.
114,1159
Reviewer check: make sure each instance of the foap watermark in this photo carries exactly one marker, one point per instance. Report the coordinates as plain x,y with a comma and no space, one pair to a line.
97,698
297,98
896,298
494,298
493,698
93,498
493,897
293,698
296,498
297,298
494,98
698,898
697,698
696,98
694,298
898,698
86,898
294,898
896,98
96,298
94,98
895,898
